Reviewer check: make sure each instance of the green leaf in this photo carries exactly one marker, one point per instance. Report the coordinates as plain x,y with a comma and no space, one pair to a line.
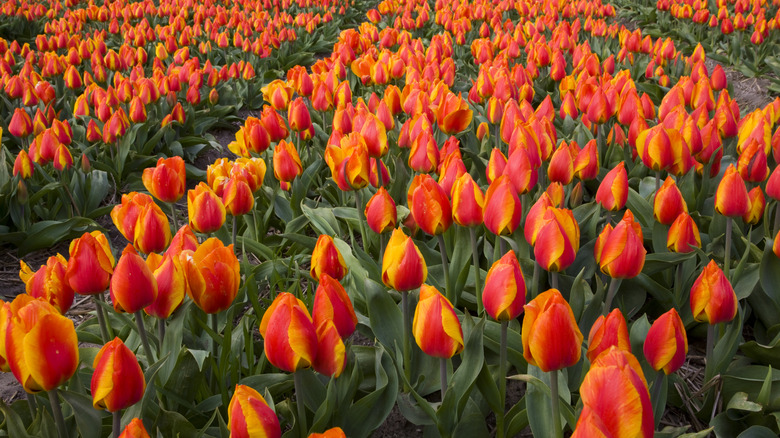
464,378
758,432
322,219
640,207
45,234
13,422
384,314
765,304
174,424
373,409
88,419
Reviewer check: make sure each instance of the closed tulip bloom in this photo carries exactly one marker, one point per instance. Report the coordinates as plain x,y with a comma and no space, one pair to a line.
21,124
206,210
502,211
616,401
752,163
773,185
171,284
561,168
375,135
90,264
335,432
521,172
606,332
551,338
326,259
429,205
133,285
424,156
668,203
249,415
184,239
152,232
331,352
125,215
23,165
504,294
666,343
287,163
712,298
557,240
331,302
62,158
612,193
167,181
586,164
380,212
48,283
453,113
212,275
620,251
436,327
135,429
731,197
349,162
237,196
298,115
757,205
655,148
278,94
289,334
41,348
535,218
496,165
403,266
467,202
118,381
683,235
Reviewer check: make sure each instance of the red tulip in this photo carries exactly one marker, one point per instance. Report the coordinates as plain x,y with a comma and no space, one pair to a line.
620,251
430,205
504,294
331,302
90,264
435,327
608,331
48,283
133,286
683,235
250,416
613,190
551,338
118,381
557,239
666,343
403,267
290,337
326,259
167,181
731,197
712,298
212,275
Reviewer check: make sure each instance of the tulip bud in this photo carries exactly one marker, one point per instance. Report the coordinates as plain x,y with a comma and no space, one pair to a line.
290,337
403,266
586,165
237,196
206,211
436,327
133,286
756,206
551,338
380,212
731,197
171,284
429,205
166,181
668,203
212,275
557,239
23,165
608,331
712,298
666,343
504,293
502,211
118,381
620,252
287,163
612,193
90,264
135,429
298,115
331,352
250,416
20,124
326,259
467,202
331,302
683,235
335,432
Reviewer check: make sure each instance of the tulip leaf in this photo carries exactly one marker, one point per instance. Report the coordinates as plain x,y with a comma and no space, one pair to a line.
489,389
642,209
740,402
538,401
88,419
384,314
464,377
13,422
275,383
762,301
516,419
322,219
757,431
765,354
471,424
373,409
657,262
726,348
45,234
173,339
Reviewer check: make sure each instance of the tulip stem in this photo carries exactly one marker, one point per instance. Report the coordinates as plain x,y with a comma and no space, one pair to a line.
173,217
32,404
710,343
449,293
161,333
379,176
555,405
554,279
614,284
101,318
475,261
298,379
407,346
215,327
500,416
361,219
657,180
235,230
535,280
777,218
381,249
117,423
501,244
56,411
139,320
76,208
443,375
727,258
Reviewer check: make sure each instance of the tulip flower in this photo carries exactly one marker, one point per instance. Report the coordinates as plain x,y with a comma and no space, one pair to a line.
289,334
278,94
731,200
250,416
237,197
326,259
298,115
184,239
403,267
712,298
212,275
90,264
206,211
23,165
133,286
756,206
166,181
504,294
142,222
335,432
666,343
467,202
586,164
118,381
453,113
424,156
429,205
502,209
171,285
668,203
287,163
135,429
612,193
331,352
616,401
620,253
331,302
48,283
380,212
608,331
349,162
683,235
557,239
21,124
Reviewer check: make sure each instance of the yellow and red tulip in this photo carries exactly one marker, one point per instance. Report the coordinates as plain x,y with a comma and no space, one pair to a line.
429,205
289,334
118,381
424,156
183,240
655,147
135,429
278,93
557,239
133,286
287,162
21,124
467,202
326,259
453,113
551,338
561,168
668,203
23,165
331,302
335,432
620,251
403,266
166,181
683,235
586,164
731,197
90,264
436,327
349,162
712,298
756,206
381,213
608,331
666,343
212,275
504,294
48,283
331,352
298,115
237,196
612,193
502,212
250,416
206,211
171,284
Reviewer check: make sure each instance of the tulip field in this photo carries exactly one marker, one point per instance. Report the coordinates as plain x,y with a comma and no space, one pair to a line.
456,218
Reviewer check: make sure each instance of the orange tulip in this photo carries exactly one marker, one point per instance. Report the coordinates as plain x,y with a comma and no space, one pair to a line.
21,124
250,416
496,164
118,381
436,327
561,168
403,266
535,218
375,135
253,137
467,202
502,211
331,302
349,162
586,164
326,259
620,251
171,284
206,211
453,113
237,196
380,212
212,275
683,235
712,298
429,205
298,115
183,240
133,286
668,203
90,264
612,193
666,343
278,94
608,331
23,165
551,338
424,156
135,429
48,283
331,352
655,147
166,181
335,432
756,206
731,197
290,337
557,239
287,163
504,294
41,348
752,163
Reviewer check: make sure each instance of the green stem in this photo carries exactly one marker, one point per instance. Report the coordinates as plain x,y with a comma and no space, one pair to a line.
101,319
174,218
65,185
678,284
555,407
235,230
449,293
215,327
659,381
475,261
56,410
443,375
32,404
382,245
379,177
613,287
777,218
727,258
657,180
117,423
710,343
407,336
535,280
161,333
298,379
502,362
501,244
554,279
361,219
139,320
